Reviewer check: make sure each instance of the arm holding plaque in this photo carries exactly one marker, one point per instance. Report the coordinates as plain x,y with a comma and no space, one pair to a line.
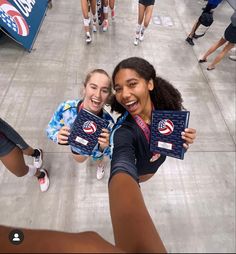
56,127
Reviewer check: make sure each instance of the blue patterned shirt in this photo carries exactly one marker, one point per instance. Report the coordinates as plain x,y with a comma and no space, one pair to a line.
65,116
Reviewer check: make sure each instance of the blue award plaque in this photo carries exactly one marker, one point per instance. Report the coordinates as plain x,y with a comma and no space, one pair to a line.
85,131
166,131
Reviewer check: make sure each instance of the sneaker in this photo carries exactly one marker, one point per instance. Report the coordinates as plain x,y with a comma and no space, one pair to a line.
233,50
43,180
88,38
105,25
232,57
113,14
190,41
94,27
100,172
141,37
136,41
38,160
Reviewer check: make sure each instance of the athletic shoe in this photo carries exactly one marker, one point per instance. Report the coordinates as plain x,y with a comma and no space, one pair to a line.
100,172
38,160
105,25
88,38
141,37
113,14
43,180
94,27
189,41
233,50
232,57
136,41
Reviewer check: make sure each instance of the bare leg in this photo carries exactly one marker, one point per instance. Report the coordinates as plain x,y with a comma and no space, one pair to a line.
93,5
112,4
105,4
148,15
213,48
141,10
194,29
84,6
15,163
221,55
133,228
28,151
144,178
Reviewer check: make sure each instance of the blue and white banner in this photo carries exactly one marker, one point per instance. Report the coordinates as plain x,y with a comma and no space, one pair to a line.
21,19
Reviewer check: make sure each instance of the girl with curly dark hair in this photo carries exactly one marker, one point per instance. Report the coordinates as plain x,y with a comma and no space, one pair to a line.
138,91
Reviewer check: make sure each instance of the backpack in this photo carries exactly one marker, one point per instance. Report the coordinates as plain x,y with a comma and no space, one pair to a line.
206,19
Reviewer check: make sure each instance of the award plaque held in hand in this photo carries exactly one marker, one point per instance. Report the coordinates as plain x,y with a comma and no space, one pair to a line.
166,131
85,131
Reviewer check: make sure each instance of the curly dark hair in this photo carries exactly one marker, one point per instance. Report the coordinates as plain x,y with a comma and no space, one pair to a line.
164,96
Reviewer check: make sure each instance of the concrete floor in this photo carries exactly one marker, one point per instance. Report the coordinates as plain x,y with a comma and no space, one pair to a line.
192,202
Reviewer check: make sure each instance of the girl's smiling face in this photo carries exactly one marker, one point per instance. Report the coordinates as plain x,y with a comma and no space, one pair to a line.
97,91
132,92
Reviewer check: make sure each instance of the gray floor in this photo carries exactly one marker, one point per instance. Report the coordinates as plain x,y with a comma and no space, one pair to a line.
192,202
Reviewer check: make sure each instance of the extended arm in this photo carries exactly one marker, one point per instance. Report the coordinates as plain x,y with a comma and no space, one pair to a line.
133,227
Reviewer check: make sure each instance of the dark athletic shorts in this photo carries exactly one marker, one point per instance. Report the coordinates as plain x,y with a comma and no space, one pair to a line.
9,139
146,2
6,145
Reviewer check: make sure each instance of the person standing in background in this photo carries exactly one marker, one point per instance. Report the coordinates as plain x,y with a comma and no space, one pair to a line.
12,151
145,9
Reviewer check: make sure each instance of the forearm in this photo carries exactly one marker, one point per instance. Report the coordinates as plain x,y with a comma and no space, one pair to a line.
133,228
45,241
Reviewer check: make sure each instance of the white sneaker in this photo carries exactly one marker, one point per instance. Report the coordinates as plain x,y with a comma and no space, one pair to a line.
233,50
38,160
136,41
88,38
105,25
94,27
232,57
100,172
44,181
141,36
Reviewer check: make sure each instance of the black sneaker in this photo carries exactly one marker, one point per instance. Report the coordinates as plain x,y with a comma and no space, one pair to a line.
190,41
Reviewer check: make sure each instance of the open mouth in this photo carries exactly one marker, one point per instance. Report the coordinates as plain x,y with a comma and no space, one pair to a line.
131,106
96,103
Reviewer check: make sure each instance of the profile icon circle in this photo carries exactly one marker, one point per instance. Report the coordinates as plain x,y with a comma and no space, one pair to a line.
16,237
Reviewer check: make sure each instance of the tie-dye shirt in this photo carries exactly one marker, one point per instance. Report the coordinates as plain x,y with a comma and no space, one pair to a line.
65,116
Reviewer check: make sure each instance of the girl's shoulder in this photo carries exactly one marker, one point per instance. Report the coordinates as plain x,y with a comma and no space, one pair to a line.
69,104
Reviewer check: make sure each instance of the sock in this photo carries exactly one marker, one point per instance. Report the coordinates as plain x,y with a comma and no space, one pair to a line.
138,29
94,19
143,29
32,170
36,153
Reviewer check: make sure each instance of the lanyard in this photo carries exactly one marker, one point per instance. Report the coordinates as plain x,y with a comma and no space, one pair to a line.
143,126
146,130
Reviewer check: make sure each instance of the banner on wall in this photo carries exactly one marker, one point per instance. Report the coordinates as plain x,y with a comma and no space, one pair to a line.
22,19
